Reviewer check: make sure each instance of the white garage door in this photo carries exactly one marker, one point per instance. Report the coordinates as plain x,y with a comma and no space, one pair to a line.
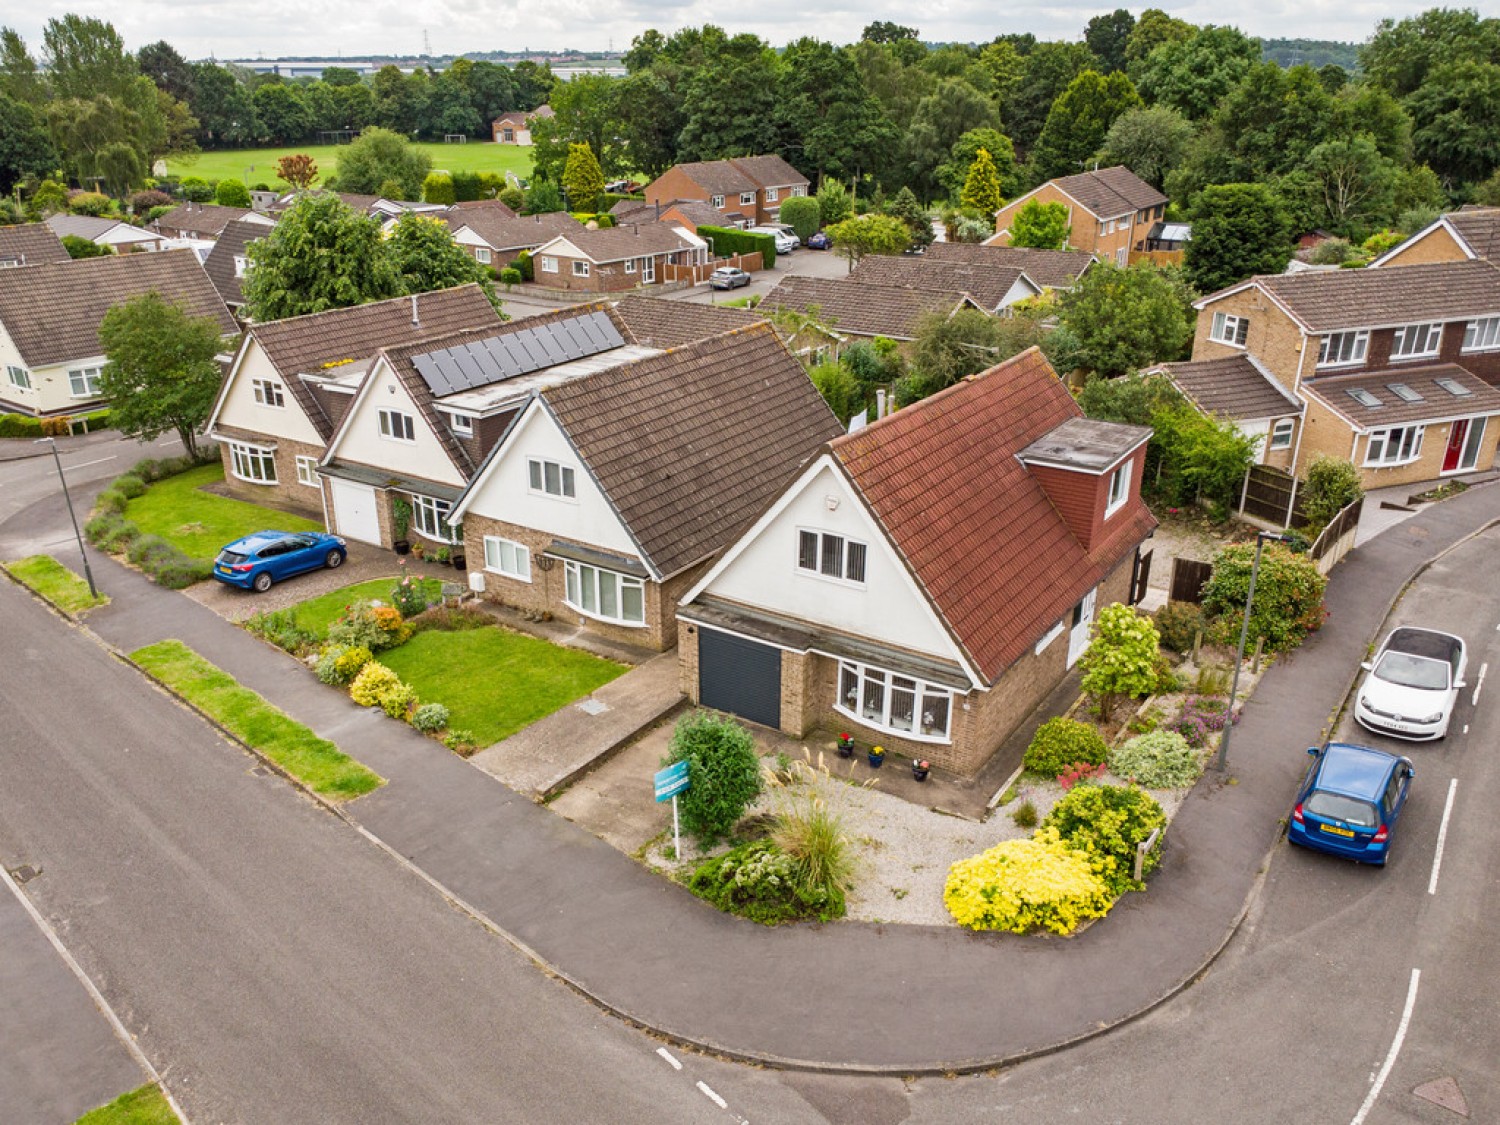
354,512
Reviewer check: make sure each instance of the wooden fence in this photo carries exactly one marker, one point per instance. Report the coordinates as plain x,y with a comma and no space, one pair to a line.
1337,539
1267,494
1189,576
698,273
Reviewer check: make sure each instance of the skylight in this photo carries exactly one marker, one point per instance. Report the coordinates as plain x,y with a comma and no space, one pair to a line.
1363,397
1453,387
1404,393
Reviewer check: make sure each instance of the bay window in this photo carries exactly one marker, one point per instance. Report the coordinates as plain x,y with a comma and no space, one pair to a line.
254,463
1395,446
605,595
893,702
430,517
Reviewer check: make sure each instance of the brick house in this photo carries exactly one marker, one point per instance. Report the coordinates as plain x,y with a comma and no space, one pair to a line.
229,261
1051,269
750,188
1396,368
845,311
30,244
514,128
494,239
1112,211
1459,236
1239,389
205,221
689,214
615,259
926,581
990,286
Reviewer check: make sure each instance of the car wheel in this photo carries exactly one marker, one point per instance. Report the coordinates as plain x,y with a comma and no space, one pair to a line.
334,560
261,582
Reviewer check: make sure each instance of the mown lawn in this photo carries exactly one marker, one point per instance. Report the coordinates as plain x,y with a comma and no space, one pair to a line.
146,1106
198,523
316,762
494,682
258,165
316,614
56,583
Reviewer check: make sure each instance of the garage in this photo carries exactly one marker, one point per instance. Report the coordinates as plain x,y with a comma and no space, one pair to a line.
355,514
740,676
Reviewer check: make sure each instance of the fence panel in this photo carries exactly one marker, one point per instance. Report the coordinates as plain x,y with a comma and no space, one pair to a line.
1189,576
1337,539
1267,493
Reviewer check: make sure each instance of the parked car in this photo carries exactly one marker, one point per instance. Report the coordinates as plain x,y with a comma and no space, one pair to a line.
258,560
819,241
785,242
1411,686
1350,802
728,277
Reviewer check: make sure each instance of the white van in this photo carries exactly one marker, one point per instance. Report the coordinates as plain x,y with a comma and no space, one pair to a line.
786,242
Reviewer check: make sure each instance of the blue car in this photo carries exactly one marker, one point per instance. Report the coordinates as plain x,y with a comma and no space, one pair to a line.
819,240
1351,801
258,560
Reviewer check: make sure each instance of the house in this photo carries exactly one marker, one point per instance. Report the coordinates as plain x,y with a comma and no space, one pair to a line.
205,221
292,380
228,262
469,206
50,316
750,188
689,214
113,234
1051,269
30,244
926,581
1396,368
614,259
1239,389
991,287
613,492
514,128
1459,236
1112,210
494,240
659,323
843,311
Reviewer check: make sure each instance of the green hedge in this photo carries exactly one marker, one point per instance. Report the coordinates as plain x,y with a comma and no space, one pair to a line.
25,426
726,242
522,263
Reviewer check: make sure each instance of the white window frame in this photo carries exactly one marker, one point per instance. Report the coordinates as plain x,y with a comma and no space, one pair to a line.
429,518
747,199
1281,433
772,194
268,392
549,264
582,581
717,202
630,265
833,549
482,255
1120,256
538,484
1407,446
799,190
1482,335
875,688
307,470
1346,348
507,557
580,268
241,265
461,424
253,463
1047,638
18,376
1119,489
1229,329
88,378
393,420
1429,335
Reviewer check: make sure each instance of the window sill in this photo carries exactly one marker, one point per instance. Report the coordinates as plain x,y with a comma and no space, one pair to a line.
592,616
507,574
935,739
252,480
1228,344
1390,464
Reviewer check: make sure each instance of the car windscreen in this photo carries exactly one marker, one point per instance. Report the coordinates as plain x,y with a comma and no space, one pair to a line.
229,558
1335,806
1413,671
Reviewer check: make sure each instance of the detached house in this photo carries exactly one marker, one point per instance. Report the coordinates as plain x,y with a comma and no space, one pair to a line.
205,221
115,235
925,581
1051,269
1112,211
615,259
991,287
514,128
495,239
229,260
751,188
30,244
1459,236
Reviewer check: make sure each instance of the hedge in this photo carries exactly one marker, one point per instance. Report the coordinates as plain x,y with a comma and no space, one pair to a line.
726,242
25,426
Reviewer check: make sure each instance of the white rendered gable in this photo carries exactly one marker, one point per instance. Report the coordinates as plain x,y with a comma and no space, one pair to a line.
238,408
359,438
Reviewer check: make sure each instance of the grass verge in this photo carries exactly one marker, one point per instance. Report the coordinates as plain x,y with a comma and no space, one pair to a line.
146,1106
56,583
258,165
314,761
198,523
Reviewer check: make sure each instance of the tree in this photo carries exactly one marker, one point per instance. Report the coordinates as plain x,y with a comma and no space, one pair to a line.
1456,121
543,197
948,348
1150,141
20,77
1356,184
823,103
1107,36
1153,29
650,118
379,155
723,773
1288,596
1042,226
731,100
1121,320
232,193
834,203
1401,56
953,173
582,179
321,255
1239,230
1331,485
1078,122
585,112
940,120
869,234
172,73
981,192
918,222
1193,75
839,388
299,170
223,106
438,188
86,57
803,215
160,373
426,258
1048,68
281,114
1120,662
25,148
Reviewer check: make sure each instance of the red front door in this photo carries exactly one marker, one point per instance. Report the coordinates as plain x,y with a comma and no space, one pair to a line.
1455,450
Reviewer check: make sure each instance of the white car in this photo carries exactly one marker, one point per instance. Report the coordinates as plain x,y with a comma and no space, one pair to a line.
785,242
1412,685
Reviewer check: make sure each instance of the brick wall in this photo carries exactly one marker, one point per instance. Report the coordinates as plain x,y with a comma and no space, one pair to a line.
287,490
1438,246
609,277
1273,337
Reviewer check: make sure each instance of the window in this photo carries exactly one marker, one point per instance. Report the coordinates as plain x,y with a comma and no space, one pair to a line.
18,376
1048,637
1482,335
307,471
1119,489
549,264
241,265
430,517
605,594
580,269
1281,433
1395,446
268,392
551,478
772,195
1120,257
1229,329
630,265
747,199
506,557
84,382
717,202
799,190
397,426
482,255
1342,347
252,462
832,556
893,702
461,424
1416,340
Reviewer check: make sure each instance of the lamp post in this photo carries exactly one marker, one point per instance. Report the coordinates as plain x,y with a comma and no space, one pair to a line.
1261,539
57,459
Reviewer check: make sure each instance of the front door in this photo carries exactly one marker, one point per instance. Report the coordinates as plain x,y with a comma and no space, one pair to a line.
1464,440
1083,623
648,270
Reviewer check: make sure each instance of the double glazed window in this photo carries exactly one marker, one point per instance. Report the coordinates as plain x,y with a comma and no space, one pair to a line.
549,264
606,595
832,556
1416,340
1343,348
1119,489
83,382
1482,335
507,557
268,392
307,471
1281,433
1395,446
580,269
18,376
482,255
430,517
551,478
893,702
252,462
1227,329
397,426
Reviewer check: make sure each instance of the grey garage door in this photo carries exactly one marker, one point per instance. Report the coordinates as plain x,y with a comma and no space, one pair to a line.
739,676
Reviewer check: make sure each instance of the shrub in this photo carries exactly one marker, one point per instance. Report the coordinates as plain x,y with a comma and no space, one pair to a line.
523,265
409,596
1331,252
727,242
461,742
513,197
1120,662
723,772
1161,759
102,526
1023,885
814,839
149,551
760,882
1212,679
450,619
339,664
438,188
231,193
112,500
802,214
510,276
1060,742
89,203
281,629
375,627
430,718
1288,596
378,686
143,201
181,572
1080,773
1178,624
195,189
1107,822
1025,815
1331,485
129,485
19,425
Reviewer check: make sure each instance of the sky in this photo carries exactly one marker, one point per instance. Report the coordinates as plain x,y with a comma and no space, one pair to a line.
351,28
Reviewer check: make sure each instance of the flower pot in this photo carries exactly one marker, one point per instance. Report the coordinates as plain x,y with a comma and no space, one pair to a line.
919,772
403,547
459,563
846,747
876,761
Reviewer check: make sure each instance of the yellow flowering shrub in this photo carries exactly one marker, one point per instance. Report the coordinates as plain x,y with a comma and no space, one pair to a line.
378,686
1024,885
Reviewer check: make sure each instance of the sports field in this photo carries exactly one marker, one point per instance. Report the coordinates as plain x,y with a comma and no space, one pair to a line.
258,165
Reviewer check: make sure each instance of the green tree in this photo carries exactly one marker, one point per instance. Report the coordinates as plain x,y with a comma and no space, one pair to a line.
1042,226
20,77
1288,596
586,111
834,203
1153,29
981,192
948,348
86,57
438,188
321,255
918,222
953,173
281,114
543,197
230,192
1193,75
79,247
730,98
1239,230
582,181
1078,122
824,105
1150,141
940,120
1331,485
1048,68
223,106
650,116
25,148
379,155
803,215
1402,55
839,388
1108,36
160,373
869,234
1124,319
426,258
723,773
1120,662
1456,121
1202,459
172,73
1356,184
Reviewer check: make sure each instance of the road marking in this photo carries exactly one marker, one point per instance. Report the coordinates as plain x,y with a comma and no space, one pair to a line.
713,1097
1483,668
1390,1059
1437,859
86,464
666,1054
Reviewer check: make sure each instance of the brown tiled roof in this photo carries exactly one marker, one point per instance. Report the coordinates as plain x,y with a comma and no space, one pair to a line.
1327,301
94,228
769,171
635,210
493,206
1235,387
659,323
205,220
615,244
1480,228
1053,269
692,444
220,261
517,116
52,312
987,284
975,528
1435,403
718,177
517,233
698,213
1108,192
855,309
360,203
31,244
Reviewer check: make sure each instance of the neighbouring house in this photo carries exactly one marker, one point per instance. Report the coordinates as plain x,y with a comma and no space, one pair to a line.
991,287
470,206
204,222
494,240
228,260
1239,389
751,188
114,234
1051,269
613,492
690,214
615,259
926,581
1112,211
659,323
292,380
50,316
514,128
1459,236
832,313
30,244
1396,368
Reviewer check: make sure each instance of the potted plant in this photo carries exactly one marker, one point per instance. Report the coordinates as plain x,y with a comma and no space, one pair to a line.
846,745
401,524
459,562
441,556
877,757
418,550
919,768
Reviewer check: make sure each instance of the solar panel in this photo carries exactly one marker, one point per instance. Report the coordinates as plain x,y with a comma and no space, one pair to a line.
494,359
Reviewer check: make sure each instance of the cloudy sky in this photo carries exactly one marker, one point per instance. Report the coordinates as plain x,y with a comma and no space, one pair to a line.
291,28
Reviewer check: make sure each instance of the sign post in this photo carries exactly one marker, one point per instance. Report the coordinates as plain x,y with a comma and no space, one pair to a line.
670,782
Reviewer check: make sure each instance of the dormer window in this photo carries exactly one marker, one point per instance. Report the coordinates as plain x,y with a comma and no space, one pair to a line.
831,556
1416,341
1119,489
1342,348
1229,329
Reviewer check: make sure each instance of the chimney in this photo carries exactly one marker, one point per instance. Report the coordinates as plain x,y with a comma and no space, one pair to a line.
415,319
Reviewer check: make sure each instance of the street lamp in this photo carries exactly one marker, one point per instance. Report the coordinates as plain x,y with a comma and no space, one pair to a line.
1261,539
87,573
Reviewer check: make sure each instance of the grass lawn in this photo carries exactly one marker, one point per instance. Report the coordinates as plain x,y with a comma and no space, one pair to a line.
316,614
199,523
316,762
55,582
146,1106
258,165
495,682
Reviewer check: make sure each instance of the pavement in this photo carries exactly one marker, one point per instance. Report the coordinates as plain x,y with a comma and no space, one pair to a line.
843,997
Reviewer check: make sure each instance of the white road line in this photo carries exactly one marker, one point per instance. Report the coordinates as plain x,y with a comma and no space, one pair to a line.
666,1054
86,464
713,1097
1483,668
1437,859
1390,1059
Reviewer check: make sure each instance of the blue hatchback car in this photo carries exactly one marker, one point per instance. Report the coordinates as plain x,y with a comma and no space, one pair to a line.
1350,802
258,560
